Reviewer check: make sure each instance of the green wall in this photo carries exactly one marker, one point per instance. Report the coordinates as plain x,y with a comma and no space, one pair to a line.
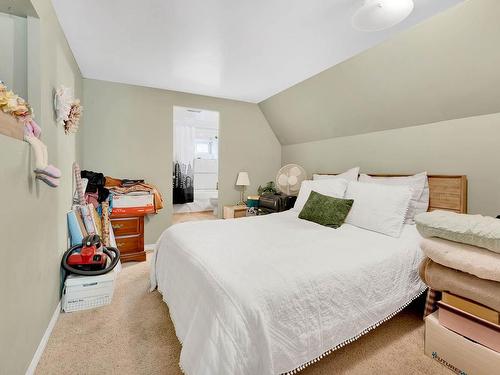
444,68
465,146
128,133
427,99
13,53
32,219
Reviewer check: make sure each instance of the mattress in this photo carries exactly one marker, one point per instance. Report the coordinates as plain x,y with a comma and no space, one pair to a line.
272,294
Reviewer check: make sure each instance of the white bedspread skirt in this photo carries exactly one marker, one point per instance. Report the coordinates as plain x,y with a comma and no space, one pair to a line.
266,295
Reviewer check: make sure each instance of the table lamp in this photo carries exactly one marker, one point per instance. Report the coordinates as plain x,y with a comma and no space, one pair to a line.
243,181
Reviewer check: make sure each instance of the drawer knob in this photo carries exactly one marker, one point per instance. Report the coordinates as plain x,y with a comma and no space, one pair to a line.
120,244
118,226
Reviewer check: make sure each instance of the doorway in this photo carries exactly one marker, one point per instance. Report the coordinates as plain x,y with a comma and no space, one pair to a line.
195,163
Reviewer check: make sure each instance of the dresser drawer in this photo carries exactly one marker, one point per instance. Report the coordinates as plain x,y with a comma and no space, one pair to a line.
130,244
126,226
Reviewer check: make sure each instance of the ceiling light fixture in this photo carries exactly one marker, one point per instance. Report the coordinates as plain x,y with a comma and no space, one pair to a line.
376,15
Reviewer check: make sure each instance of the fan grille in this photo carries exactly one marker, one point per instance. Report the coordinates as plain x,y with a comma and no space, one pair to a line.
289,179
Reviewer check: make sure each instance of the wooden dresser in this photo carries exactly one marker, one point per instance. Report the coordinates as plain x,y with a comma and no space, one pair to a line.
129,234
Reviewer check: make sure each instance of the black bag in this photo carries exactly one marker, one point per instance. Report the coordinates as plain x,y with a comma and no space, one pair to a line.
276,202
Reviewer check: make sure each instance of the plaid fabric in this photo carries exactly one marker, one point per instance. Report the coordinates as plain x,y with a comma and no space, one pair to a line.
433,296
78,182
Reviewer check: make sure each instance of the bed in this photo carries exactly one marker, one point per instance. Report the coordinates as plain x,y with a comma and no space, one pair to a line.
273,294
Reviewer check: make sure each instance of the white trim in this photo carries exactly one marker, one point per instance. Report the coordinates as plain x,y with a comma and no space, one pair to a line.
149,248
43,342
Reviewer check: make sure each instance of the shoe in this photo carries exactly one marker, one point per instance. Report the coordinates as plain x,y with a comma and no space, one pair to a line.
50,171
52,182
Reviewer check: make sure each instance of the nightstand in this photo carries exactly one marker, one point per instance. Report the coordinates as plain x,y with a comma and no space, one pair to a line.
234,212
129,234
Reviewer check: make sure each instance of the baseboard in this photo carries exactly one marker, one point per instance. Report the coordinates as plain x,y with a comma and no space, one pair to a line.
149,248
43,342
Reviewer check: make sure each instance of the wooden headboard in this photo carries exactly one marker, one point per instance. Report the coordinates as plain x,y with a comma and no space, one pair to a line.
447,193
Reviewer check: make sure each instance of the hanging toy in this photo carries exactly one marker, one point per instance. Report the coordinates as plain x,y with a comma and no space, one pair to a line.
44,171
19,108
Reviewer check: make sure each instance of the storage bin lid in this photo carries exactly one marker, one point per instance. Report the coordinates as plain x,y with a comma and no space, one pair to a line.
79,280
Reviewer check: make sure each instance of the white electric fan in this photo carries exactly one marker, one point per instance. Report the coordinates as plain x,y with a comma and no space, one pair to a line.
289,178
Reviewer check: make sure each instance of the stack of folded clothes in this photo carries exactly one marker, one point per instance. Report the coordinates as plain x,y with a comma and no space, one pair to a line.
463,264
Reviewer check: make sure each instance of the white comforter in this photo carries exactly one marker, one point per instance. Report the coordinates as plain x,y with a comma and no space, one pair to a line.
266,295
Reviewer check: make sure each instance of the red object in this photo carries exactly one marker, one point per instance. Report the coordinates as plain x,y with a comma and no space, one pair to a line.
88,257
132,211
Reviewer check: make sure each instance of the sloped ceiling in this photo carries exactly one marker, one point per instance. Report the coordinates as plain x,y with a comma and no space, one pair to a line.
244,50
444,68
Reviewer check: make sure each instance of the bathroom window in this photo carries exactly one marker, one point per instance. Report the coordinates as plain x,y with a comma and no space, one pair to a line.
202,147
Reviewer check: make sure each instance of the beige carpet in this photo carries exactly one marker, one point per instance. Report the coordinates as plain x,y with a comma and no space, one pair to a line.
134,335
192,216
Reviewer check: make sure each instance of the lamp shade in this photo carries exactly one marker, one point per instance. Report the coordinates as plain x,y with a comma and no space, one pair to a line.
243,179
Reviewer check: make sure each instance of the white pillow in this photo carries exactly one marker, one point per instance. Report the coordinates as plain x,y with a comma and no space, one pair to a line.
331,187
419,185
350,175
377,207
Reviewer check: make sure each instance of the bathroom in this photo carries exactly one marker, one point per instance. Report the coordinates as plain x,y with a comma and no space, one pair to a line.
195,163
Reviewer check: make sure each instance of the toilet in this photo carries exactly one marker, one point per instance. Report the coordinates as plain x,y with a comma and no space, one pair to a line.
215,203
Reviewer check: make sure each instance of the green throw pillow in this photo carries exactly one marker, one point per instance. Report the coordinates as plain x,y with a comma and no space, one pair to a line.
325,210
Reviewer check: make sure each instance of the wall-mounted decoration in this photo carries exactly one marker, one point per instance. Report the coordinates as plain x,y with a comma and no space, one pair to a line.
13,104
71,125
17,121
62,104
68,109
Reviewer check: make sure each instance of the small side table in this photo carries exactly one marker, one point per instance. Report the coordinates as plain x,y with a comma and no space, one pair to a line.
234,212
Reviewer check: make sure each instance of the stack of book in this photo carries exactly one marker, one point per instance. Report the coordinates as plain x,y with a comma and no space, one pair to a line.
464,336
470,319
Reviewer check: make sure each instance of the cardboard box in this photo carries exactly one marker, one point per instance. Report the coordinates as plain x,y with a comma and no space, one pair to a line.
457,353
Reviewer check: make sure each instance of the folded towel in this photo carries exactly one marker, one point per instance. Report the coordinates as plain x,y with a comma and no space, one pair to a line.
471,259
462,284
476,230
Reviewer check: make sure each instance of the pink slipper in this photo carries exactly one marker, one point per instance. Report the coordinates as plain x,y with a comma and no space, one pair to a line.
37,130
50,171
52,182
